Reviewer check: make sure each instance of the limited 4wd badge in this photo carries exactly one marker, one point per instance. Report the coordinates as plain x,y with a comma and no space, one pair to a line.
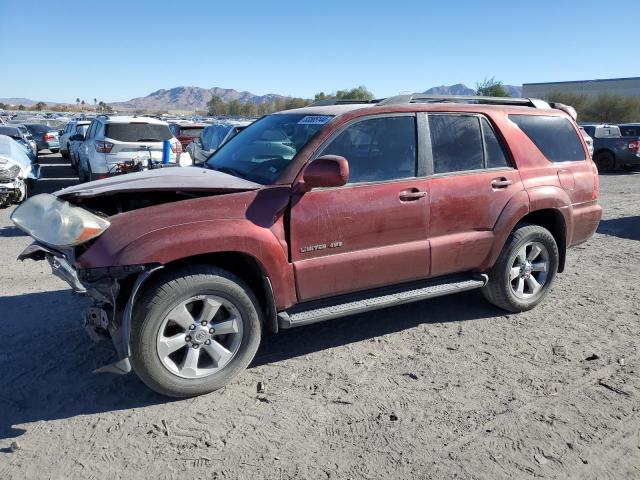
320,246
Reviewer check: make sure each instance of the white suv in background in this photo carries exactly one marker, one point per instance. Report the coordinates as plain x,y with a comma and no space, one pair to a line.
111,141
69,129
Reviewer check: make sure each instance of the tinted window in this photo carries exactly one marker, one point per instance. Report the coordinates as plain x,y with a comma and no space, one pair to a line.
628,131
555,137
137,132
496,157
590,130
456,143
377,149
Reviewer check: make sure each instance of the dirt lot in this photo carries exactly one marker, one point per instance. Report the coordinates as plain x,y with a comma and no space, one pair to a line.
450,388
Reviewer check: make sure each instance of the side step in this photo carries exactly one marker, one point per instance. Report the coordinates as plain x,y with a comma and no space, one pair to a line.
327,309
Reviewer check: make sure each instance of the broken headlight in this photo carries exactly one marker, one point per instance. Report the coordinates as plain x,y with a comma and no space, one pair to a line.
8,172
55,222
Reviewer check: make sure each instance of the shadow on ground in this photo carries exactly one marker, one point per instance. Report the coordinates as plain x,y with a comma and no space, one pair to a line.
8,232
54,381
623,227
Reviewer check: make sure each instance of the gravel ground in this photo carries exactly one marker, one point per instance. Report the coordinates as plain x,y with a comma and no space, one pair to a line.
448,388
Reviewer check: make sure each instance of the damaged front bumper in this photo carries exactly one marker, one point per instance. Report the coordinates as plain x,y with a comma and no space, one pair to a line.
110,314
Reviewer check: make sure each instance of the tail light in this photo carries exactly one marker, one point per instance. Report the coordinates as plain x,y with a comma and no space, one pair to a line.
634,146
176,147
48,137
596,182
103,147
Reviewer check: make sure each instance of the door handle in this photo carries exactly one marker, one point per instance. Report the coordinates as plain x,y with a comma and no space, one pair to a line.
500,182
411,195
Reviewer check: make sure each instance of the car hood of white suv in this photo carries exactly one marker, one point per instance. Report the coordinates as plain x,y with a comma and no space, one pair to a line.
162,179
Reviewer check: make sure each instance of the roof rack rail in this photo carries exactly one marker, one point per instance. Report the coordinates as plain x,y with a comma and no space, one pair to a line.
340,101
422,98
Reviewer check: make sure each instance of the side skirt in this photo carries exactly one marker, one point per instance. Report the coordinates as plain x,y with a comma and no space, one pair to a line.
351,304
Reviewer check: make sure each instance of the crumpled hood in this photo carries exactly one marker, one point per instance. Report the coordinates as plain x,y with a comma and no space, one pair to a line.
161,179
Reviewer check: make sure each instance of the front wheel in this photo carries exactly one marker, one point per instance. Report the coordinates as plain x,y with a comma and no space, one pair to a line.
525,269
193,331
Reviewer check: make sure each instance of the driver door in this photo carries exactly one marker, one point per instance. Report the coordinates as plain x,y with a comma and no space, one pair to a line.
371,232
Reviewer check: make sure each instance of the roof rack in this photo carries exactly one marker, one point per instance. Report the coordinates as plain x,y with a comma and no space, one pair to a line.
340,101
422,98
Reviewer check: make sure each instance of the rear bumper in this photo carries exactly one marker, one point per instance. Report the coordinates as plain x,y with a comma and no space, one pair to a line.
586,219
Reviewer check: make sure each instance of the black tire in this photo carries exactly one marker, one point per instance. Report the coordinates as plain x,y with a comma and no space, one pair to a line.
65,154
157,300
499,290
605,161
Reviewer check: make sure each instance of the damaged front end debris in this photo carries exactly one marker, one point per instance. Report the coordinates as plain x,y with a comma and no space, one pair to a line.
113,291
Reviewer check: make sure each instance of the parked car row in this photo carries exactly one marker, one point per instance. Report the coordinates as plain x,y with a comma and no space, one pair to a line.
614,146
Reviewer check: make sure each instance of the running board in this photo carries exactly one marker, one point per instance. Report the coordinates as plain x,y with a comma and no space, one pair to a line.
319,311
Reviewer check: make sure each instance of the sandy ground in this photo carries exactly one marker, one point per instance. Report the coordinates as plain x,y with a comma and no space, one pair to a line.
449,388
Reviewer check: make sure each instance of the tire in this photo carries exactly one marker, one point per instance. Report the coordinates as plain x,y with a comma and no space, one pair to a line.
605,161
65,154
503,288
151,324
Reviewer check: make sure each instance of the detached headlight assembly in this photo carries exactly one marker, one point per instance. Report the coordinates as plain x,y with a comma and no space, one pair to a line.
57,223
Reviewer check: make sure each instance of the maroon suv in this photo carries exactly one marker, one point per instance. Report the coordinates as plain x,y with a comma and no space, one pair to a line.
318,213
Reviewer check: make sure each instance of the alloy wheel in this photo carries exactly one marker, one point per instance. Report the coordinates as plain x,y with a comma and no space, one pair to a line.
529,270
199,336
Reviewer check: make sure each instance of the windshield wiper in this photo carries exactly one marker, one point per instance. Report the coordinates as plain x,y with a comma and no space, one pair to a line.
149,140
230,171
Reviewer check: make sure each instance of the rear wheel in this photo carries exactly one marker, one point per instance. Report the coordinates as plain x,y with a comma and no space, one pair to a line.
193,331
605,161
525,269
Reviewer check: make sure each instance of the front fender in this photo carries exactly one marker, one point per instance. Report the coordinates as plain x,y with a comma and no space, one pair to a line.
177,242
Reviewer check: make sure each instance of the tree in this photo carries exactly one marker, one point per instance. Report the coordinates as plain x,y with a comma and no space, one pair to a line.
490,87
610,108
357,93
216,106
95,101
40,106
579,101
21,107
3,106
78,102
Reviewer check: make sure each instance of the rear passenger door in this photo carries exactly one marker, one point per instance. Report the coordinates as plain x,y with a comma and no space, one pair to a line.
473,179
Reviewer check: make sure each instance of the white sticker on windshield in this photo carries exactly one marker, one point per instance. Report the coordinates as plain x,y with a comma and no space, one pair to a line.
315,120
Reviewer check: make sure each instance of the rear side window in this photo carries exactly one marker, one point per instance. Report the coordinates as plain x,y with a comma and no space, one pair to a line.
457,143
137,132
377,149
555,137
628,131
496,158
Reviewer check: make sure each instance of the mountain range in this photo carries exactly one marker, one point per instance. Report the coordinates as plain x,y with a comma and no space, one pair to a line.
196,98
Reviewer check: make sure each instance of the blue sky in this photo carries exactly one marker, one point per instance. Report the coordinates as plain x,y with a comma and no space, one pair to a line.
116,50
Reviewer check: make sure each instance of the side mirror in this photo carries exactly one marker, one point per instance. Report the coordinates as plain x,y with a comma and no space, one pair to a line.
78,137
326,171
60,132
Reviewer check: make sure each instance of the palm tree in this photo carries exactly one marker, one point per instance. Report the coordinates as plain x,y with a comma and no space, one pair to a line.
78,102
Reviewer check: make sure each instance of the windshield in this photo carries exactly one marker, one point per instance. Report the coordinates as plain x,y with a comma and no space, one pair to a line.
264,149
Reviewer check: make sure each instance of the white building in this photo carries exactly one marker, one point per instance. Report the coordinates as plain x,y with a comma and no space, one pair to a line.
628,87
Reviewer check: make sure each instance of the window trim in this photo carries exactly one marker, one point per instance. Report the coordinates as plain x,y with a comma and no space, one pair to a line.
356,120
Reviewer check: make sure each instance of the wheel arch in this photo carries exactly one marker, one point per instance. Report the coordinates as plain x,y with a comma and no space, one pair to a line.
244,266
546,206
